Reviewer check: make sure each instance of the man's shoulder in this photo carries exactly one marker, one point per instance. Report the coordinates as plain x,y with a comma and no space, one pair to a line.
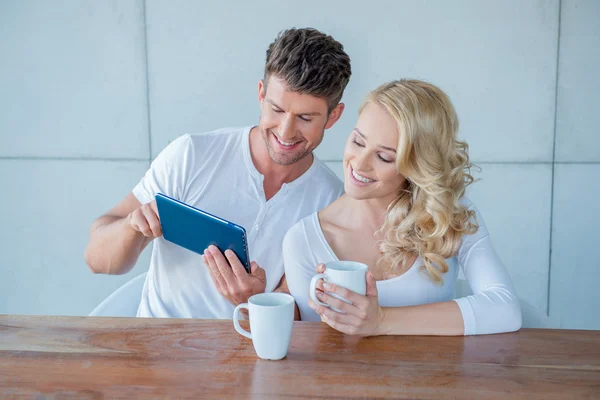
203,139
222,135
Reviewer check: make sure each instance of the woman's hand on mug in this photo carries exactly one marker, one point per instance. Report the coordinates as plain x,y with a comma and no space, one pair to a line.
363,317
320,269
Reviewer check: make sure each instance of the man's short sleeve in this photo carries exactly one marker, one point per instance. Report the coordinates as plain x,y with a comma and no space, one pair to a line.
168,172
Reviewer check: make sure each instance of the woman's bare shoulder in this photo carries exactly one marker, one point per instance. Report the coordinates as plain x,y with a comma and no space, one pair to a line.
331,217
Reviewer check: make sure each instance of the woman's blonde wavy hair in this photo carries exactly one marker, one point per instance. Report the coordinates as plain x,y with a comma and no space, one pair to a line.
426,219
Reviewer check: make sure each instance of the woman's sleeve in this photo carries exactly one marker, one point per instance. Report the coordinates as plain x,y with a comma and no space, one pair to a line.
299,264
494,307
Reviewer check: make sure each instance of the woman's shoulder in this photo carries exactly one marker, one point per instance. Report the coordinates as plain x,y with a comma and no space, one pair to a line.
333,210
300,244
467,203
470,205
470,239
299,233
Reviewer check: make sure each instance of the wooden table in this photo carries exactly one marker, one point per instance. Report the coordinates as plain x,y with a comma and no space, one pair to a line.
83,357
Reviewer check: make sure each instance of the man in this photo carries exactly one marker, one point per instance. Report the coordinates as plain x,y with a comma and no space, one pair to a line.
264,178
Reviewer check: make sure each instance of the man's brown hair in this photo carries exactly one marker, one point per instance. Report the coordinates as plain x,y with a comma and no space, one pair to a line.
310,62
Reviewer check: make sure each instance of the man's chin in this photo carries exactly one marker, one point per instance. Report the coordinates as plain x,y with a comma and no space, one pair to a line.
285,159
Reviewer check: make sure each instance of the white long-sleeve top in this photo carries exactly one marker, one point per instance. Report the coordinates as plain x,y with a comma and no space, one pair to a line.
493,308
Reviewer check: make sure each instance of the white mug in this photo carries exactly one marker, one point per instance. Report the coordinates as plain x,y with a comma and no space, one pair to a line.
271,318
351,275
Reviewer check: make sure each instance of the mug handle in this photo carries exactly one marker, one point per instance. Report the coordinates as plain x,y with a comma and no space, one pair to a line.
236,321
313,289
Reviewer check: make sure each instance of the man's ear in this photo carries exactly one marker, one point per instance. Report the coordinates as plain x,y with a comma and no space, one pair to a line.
262,91
334,115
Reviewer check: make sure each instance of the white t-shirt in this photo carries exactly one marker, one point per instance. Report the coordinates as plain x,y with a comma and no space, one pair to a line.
215,173
493,308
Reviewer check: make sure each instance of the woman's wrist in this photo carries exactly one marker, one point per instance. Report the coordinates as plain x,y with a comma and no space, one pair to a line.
384,326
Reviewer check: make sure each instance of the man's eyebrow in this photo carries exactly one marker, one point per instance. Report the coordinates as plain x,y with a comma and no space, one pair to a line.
273,103
365,138
311,114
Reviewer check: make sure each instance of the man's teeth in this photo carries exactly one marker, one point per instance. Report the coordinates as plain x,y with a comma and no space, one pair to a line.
361,178
285,143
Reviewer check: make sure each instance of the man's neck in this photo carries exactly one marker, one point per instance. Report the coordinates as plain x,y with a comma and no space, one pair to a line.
275,175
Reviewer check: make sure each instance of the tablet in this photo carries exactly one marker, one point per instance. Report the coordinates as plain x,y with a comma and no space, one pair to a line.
195,230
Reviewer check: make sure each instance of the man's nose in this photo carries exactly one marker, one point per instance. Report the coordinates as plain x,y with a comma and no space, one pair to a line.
287,129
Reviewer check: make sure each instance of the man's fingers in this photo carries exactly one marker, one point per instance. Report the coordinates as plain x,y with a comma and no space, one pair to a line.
139,223
154,207
152,220
222,263
257,271
236,265
145,220
213,271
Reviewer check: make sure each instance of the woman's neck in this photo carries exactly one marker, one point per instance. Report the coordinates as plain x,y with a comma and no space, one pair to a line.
366,214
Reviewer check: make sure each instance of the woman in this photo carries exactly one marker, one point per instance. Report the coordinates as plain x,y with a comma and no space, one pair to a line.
404,214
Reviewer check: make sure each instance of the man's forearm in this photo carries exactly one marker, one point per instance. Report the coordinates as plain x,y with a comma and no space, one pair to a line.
114,246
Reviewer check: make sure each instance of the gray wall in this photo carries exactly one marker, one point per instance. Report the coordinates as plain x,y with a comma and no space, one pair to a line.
91,91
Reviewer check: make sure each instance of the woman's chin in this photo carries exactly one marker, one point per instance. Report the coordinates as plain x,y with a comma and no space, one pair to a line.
358,193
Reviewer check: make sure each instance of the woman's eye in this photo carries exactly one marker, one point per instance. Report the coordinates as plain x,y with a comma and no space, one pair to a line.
384,159
357,144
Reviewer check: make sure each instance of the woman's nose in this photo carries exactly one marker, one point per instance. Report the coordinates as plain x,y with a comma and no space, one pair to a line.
361,162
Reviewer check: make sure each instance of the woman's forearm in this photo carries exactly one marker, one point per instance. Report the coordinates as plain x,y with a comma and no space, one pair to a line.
439,319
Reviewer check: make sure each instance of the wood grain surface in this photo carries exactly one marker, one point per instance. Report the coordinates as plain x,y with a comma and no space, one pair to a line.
101,358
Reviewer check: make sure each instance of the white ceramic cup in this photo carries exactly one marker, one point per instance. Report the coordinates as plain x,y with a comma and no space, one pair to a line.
351,275
271,318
